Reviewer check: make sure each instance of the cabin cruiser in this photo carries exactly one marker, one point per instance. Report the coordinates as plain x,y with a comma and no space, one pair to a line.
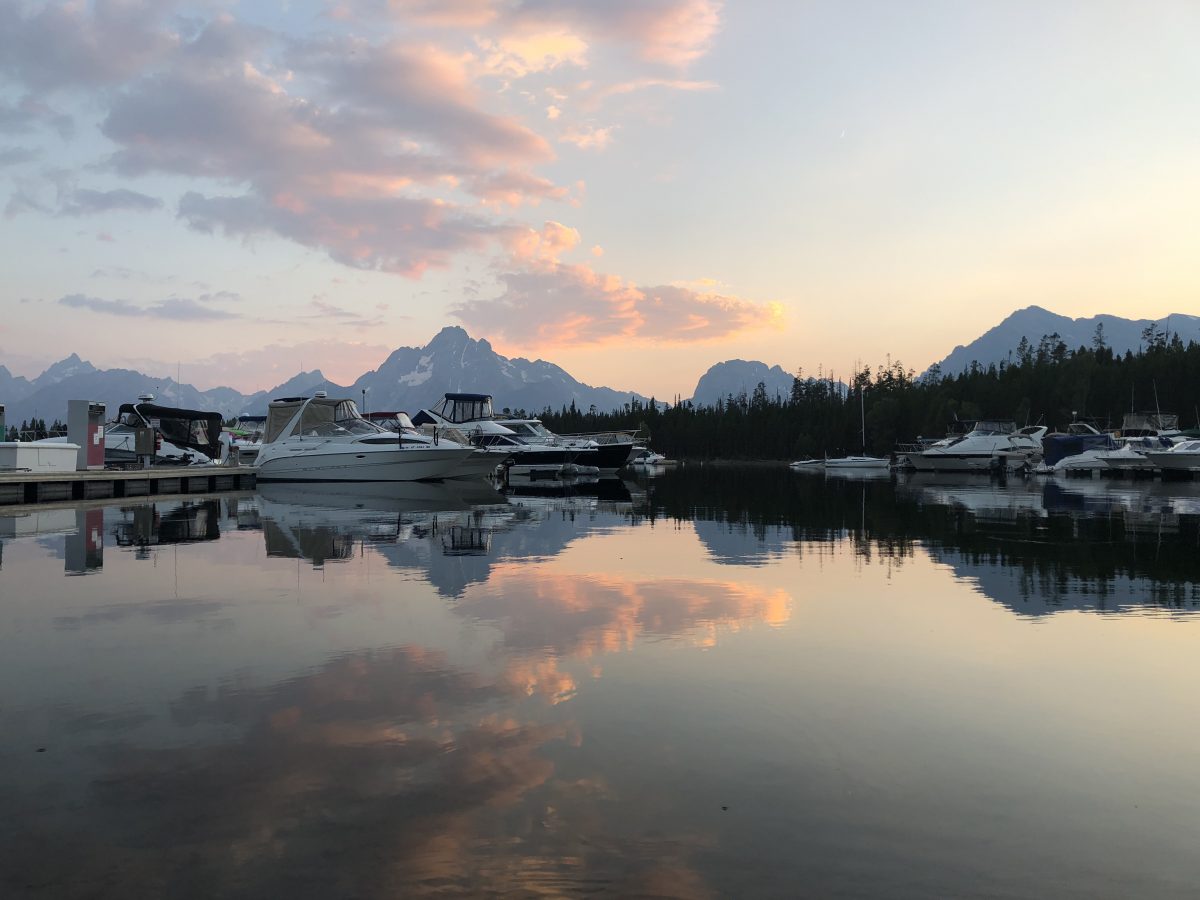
1182,457
322,438
608,451
472,414
182,437
1139,435
245,437
990,444
482,462
1150,425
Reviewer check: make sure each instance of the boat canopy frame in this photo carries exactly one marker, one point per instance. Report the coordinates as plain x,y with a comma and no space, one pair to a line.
194,429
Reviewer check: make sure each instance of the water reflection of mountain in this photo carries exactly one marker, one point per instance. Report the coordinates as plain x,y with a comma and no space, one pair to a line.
1036,545
736,544
533,527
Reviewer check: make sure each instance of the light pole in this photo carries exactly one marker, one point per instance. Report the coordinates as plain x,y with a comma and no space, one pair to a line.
364,393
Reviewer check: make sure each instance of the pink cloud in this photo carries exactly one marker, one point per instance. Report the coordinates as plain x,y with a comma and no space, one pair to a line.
669,32
361,150
545,246
435,13
561,305
587,137
666,32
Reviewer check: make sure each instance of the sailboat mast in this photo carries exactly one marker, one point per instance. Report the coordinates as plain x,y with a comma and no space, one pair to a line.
862,412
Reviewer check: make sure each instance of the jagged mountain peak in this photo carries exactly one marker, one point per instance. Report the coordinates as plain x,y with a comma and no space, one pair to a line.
1033,322
63,369
736,376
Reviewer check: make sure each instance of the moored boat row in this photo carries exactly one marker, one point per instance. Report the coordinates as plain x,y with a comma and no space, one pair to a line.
1146,443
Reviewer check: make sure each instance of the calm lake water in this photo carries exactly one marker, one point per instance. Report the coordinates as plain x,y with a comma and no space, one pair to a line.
713,683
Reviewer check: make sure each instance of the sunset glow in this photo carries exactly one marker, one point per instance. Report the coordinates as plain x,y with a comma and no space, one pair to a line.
809,185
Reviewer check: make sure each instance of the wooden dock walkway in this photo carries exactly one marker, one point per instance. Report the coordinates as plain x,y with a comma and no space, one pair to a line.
47,487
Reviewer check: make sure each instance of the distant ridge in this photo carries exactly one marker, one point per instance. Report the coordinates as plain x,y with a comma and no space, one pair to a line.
415,377
737,376
410,378
1033,322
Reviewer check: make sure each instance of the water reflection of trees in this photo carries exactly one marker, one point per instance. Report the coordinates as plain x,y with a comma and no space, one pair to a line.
1064,538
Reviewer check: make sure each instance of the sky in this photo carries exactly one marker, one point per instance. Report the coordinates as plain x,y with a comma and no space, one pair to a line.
632,189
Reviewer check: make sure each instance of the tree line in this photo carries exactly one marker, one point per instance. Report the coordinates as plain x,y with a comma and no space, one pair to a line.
35,430
1044,383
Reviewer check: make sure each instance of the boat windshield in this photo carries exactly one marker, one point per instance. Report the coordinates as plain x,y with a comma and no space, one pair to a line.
464,408
132,418
392,421
994,427
248,429
530,429
322,418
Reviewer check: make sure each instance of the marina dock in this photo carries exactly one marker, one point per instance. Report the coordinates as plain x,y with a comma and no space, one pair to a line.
103,484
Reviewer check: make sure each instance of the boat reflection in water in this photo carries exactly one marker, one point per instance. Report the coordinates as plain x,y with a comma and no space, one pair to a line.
327,522
718,682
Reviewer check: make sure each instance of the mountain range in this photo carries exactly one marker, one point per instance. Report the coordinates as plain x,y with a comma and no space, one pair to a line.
739,376
415,377
1033,322
410,378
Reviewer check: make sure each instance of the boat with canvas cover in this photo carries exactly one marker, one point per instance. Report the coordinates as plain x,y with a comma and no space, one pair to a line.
182,437
989,444
321,438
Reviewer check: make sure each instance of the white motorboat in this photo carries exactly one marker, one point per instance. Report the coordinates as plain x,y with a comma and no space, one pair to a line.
608,450
858,462
644,457
321,438
527,453
988,445
483,462
1130,456
1183,457
808,465
1139,435
864,461
245,437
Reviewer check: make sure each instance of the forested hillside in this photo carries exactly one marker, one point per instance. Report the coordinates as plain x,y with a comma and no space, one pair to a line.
1049,383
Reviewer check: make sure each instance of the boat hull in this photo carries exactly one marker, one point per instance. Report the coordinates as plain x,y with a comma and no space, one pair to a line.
480,464
609,458
857,462
960,462
1175,462
358,464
